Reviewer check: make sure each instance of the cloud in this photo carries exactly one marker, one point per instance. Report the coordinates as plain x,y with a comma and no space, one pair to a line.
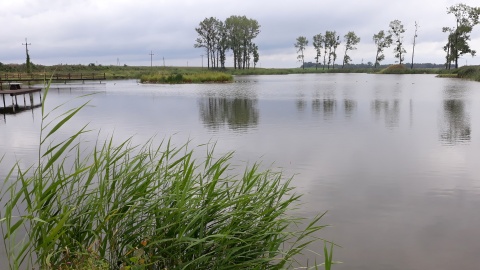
107,30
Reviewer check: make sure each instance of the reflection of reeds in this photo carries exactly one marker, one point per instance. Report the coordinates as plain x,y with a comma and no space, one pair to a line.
145,207
204,77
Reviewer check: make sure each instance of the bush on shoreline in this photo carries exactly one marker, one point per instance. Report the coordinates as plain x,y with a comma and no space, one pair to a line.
204,77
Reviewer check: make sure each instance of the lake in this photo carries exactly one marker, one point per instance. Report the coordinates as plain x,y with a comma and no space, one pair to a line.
394,159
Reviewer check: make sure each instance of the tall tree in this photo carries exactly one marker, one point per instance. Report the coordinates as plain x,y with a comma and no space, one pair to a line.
397,30
351,40
207,38
300,45
466,18
241,32
326,45
414,40
448,48
330,39
318,41
335,44
382,41
256,56
222,43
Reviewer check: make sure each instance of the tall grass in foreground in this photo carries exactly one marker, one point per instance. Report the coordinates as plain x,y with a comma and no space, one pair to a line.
146,207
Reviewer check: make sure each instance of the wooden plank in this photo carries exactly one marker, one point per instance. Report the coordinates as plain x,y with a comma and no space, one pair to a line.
20,91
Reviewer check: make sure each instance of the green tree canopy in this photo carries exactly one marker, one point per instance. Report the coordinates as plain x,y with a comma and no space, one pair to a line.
300,45
382,41
397,30
458,37
351,40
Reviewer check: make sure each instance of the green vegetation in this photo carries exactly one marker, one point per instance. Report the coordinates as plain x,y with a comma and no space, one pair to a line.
382,41
204,77
351,40
396,30
146,207
236,34
394,69
447,75
457,45
300,45
469,72
402,69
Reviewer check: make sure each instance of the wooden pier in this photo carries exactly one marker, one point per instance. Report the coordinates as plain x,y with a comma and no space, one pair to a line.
57,77
15,91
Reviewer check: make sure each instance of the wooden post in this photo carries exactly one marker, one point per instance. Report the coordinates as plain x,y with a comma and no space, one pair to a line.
31,99
24,101
13,105
4,105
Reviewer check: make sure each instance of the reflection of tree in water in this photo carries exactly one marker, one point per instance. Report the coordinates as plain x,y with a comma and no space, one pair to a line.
316,105
389,109
301,105
328,105
238,113
456,123
350,106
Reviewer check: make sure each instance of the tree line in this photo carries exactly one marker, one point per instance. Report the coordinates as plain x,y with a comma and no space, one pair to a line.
328,43
236,33
457,45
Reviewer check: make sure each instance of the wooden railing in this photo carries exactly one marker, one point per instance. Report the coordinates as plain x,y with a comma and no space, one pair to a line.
9,77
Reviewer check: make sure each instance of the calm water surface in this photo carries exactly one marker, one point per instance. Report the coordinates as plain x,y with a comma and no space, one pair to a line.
395,160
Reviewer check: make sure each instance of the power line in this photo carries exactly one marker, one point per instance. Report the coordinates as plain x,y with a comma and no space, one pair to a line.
26,46
151,58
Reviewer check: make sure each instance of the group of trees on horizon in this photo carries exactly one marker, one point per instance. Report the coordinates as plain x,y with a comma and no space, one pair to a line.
466,18
327,44
236,34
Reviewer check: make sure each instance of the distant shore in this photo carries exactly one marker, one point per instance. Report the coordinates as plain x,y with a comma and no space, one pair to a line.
136,72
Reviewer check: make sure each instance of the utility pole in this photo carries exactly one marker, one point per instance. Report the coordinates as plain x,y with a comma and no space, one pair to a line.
28,56
202,60
151,58
164,62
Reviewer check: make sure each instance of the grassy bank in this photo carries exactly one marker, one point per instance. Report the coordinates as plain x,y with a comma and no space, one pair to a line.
200,77
470,73
204,75
149,206
402,69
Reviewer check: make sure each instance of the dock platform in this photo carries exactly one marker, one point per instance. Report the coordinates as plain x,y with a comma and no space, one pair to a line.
15,91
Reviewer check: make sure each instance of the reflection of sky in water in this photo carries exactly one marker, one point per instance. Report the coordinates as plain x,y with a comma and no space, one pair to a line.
393,158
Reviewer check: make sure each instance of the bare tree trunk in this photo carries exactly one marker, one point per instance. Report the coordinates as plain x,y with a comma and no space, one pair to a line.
414,40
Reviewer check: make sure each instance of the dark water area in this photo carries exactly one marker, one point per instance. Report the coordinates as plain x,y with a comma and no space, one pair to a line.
394,159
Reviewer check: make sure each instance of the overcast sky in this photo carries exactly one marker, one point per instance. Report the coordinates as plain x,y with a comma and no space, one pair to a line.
108,32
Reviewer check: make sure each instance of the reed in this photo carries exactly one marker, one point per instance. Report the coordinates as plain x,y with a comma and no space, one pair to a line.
149,206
